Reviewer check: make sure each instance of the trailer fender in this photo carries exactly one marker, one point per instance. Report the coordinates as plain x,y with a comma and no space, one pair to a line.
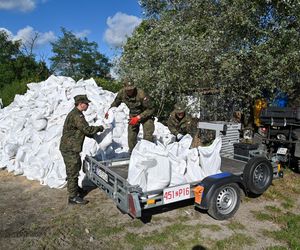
205,190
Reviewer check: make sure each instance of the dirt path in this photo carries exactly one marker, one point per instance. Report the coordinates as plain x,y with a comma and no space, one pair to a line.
37,217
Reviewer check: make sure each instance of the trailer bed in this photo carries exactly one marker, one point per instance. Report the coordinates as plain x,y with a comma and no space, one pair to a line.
227,165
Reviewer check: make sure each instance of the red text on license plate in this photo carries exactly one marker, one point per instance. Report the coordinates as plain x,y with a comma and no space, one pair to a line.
177,193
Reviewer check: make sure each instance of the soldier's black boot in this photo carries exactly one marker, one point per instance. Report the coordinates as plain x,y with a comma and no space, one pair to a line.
81,192
77,200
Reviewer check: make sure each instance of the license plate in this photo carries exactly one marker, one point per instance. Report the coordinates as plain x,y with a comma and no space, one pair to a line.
101,174
282,151
177,193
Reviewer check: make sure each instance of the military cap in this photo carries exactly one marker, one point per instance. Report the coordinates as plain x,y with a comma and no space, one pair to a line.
179,108
129,85
81,99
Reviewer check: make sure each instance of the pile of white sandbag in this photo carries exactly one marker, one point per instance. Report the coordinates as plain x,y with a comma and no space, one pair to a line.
31,128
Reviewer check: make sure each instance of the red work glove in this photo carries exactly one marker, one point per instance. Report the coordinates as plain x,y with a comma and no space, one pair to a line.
106,115
134,120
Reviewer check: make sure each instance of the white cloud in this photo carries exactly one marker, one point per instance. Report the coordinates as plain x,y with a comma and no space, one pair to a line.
82,33
9,33
27,34
22,5
46,37
120,26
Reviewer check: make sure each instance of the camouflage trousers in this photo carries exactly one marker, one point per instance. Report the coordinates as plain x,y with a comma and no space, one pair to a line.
73,165
148,129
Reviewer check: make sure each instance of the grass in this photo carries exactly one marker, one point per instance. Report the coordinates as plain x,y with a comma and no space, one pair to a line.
277,248
212,227
167,237
99,225
237,241
259,215
288,203
289,232
235,225
273,209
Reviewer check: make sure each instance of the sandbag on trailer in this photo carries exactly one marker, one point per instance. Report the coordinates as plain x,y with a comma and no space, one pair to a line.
149,166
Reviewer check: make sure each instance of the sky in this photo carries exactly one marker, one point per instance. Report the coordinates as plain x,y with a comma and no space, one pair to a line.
106,22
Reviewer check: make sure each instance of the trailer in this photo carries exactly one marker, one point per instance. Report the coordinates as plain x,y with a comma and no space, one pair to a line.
218,194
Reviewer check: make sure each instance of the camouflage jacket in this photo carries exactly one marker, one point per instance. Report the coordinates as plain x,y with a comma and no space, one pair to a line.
139,104
74,131
179,126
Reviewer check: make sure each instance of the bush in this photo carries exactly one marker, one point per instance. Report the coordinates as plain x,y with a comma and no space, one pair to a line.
8,91
110,85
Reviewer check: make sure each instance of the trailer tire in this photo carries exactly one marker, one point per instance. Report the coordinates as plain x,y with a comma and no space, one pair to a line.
258,175
225,201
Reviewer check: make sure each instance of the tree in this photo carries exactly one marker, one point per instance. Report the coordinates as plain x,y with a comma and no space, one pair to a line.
17,69
78,58
241,48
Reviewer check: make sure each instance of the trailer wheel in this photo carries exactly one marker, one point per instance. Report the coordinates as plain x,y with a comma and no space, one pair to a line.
258,175
224,202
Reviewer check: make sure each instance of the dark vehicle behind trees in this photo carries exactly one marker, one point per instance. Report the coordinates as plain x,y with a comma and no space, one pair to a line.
280,135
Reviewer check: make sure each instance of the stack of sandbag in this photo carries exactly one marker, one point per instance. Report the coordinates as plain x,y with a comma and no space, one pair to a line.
156,166
31,128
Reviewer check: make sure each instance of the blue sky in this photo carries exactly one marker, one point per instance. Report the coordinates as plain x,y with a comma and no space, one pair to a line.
107,22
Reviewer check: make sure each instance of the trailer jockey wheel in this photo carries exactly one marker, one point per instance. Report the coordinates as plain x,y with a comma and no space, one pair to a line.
258,175
224,202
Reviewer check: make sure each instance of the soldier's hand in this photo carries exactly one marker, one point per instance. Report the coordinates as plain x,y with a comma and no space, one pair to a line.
106,115
134,120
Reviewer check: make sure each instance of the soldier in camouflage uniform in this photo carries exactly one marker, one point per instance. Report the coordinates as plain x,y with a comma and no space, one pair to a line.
74,131
179,123
140,112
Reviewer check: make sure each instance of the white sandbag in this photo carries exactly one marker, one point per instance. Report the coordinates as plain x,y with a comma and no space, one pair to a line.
40,124
120,117
18,169
11,149
177,153
77,91
119,130
121,141
56,176
210,159
137,170
37,114
184,146
89,146
178,167
149,166
20,156
18,124
36,168
193,171
54,131
10,165
104,139
158,174
163,134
